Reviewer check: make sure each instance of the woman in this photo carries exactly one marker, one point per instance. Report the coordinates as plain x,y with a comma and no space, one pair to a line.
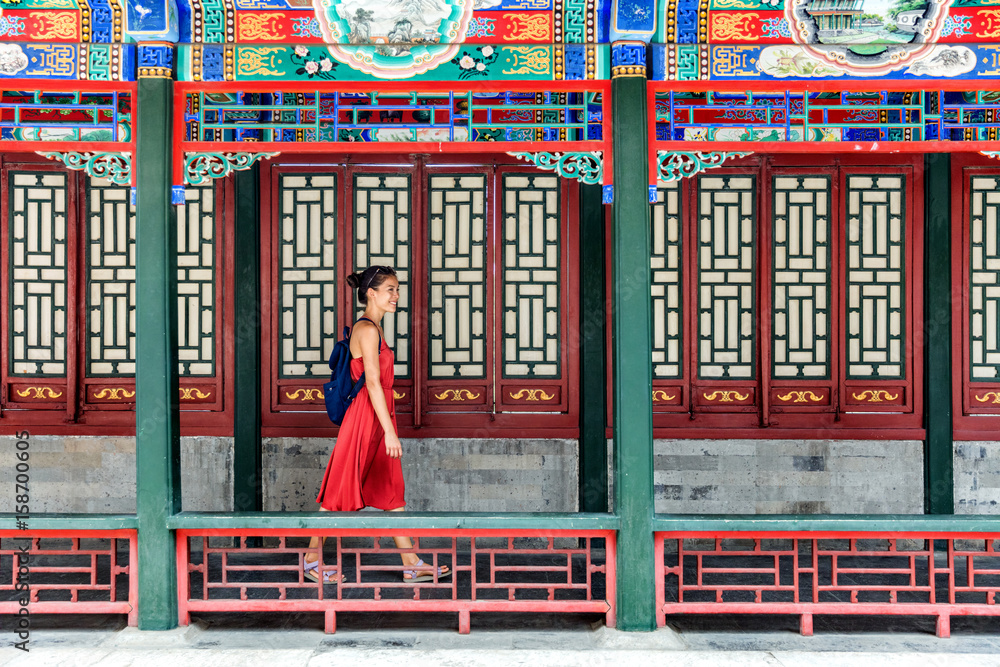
364,469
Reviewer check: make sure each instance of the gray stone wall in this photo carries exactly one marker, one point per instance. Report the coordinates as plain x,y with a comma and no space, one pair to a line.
97,473
442,474
977,477
789,476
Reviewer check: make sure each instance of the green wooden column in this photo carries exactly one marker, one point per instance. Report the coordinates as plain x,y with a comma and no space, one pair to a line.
247,480
632,341
157,431
939,480
593,379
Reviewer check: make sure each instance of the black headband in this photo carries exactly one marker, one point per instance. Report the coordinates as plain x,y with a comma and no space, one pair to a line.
378,269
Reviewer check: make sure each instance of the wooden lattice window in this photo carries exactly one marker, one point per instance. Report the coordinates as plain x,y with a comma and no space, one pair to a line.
69,251
794,281
482,254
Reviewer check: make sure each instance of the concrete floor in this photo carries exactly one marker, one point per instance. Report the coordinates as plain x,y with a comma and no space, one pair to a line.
413,640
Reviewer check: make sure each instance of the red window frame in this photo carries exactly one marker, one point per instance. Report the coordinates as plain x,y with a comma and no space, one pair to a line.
416,415
841,414
78,411
972,419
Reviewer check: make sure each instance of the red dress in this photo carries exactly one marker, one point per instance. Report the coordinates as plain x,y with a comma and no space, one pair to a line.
360,472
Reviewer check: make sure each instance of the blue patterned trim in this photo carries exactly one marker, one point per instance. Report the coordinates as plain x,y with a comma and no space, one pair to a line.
156,60
628,59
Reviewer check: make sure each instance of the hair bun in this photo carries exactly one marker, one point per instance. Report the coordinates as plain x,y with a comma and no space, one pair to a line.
354,279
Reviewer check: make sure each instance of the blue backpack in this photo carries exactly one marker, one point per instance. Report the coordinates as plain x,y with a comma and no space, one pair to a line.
340,391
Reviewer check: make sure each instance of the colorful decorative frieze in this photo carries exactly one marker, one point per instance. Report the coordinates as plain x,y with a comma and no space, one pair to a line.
66,116
84,62
470,62
737,62
396,117
90,21
459,40
799,116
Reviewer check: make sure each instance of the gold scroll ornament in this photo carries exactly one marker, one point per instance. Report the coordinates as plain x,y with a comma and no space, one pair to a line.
725,396
114,393
304,394
532,395
800,397
456,395
192,393
40,392
985,398
874,396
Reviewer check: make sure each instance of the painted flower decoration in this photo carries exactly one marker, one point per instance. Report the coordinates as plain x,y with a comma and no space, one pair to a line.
313,65
475,62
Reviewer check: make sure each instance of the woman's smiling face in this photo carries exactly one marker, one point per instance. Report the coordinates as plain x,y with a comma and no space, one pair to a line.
386,295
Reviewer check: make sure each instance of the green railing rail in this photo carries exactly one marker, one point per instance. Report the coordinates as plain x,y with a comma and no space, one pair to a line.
848,523
722,523
392,521
71,522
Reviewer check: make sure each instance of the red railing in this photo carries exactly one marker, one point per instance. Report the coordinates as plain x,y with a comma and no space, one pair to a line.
493,571
807,573
71,572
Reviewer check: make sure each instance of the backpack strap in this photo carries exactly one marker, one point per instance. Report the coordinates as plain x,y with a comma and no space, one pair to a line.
376,329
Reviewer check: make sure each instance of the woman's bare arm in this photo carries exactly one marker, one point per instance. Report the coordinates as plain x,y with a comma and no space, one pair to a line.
367,337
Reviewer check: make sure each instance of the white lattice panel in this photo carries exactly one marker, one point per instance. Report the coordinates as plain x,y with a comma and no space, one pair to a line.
666,263
382,219
984,278
307,277
110,265
726,277
196,221
801,277
38,219
457,275
531,273
875,276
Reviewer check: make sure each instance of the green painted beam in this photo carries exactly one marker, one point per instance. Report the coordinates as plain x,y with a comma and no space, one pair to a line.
939,479
157,431
593,376
631,343
885,523
394,520
247,480
73,522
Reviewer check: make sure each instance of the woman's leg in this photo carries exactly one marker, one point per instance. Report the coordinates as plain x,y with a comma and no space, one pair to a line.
409,557
315,544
